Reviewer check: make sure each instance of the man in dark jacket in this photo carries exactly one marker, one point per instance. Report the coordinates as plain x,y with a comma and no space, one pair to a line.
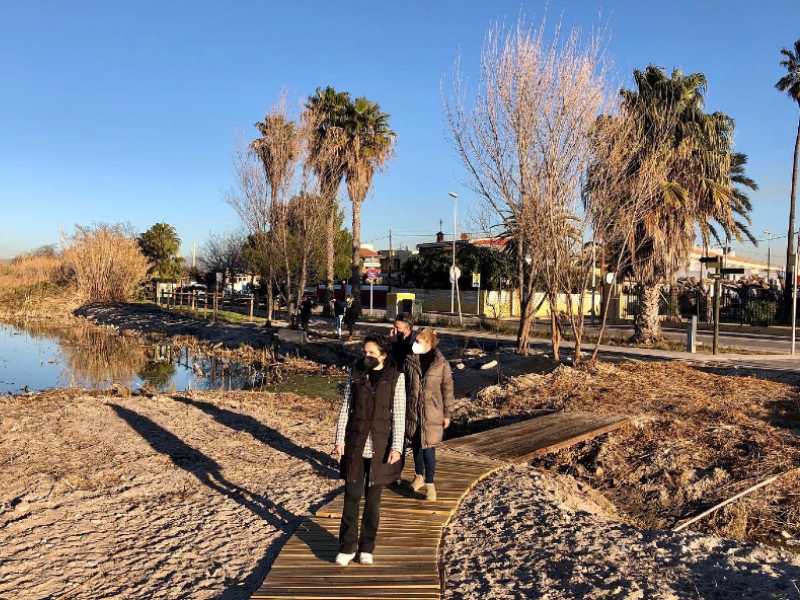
369,440
305,312
402,336
350,315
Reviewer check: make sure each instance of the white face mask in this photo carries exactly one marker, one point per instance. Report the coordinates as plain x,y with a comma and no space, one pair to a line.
418,348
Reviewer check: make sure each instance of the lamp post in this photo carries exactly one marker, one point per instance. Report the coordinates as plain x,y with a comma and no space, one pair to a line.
453,281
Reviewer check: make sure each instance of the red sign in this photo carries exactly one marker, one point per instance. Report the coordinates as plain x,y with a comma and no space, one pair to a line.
373,274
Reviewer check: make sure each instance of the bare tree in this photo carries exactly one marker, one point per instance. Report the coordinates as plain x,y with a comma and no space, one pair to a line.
308,215
252,201
224,252
278,148
526,145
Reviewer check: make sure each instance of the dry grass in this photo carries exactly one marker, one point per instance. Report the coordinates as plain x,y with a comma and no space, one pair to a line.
100,263
31,270
34,283
107,262
695,439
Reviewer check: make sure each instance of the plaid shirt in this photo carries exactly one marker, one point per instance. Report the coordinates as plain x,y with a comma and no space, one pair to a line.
398,411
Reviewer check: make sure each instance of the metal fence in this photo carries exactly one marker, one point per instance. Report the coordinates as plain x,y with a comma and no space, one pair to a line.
740,305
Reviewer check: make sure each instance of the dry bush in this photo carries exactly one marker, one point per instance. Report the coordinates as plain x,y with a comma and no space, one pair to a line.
32,269
107,262
695,439
36,283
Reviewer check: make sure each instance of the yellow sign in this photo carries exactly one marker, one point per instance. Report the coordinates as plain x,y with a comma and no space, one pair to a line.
476,280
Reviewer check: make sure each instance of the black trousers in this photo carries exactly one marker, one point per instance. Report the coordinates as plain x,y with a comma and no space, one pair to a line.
349,540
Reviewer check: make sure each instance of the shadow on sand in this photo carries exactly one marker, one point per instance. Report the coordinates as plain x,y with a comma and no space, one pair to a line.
208,472
322,463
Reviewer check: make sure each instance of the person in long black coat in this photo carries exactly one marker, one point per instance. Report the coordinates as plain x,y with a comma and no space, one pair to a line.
369,441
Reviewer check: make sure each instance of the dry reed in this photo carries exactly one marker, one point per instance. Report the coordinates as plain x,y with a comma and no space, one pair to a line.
696,438
107,262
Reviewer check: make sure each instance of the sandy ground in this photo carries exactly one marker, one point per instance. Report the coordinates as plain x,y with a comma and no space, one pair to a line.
525,534
193,496
162,497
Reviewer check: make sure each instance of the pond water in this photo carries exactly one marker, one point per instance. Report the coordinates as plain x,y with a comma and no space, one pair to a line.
36,357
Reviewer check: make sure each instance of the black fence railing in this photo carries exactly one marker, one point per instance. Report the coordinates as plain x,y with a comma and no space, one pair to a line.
741,305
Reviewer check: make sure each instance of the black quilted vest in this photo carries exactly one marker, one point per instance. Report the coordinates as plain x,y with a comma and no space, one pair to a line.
371,412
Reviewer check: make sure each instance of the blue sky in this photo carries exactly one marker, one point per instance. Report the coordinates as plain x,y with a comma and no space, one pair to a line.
130,112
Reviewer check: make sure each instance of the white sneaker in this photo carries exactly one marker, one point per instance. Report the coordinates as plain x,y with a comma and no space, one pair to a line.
343,559
366,558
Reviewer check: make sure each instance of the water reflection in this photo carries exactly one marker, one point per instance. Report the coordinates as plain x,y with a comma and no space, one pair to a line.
35,356
94,358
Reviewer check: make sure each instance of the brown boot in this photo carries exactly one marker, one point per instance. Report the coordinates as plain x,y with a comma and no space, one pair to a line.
418,483
430,492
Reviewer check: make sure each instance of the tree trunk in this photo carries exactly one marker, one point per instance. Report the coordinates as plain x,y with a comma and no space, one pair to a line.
525,322
355,265
330,256
576,322
290,303
301,284
674,308
524,329
790,249
647,325
555,331
270,298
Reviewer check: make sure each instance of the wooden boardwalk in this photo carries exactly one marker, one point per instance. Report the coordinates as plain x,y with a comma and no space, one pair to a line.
407,551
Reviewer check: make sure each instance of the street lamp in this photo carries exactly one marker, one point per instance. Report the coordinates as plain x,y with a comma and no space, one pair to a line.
453,278
769,238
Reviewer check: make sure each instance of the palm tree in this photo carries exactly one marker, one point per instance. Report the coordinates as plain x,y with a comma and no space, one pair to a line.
278,149
698,193
369,146
741,206
790,83
326,114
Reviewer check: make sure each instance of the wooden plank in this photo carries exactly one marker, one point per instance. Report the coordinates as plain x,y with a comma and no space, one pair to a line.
407,551
524,440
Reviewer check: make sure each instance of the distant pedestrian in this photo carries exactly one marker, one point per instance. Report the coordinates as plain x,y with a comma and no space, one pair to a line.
369,440
350,315
306,306
402,337
339,308
430,392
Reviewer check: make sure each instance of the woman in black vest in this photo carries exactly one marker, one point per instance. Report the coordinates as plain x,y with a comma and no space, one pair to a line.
369,441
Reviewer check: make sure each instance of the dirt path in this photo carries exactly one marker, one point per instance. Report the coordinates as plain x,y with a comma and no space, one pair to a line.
524,534
154,497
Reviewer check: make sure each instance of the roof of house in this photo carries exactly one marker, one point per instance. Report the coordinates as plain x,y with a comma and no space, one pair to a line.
366,252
